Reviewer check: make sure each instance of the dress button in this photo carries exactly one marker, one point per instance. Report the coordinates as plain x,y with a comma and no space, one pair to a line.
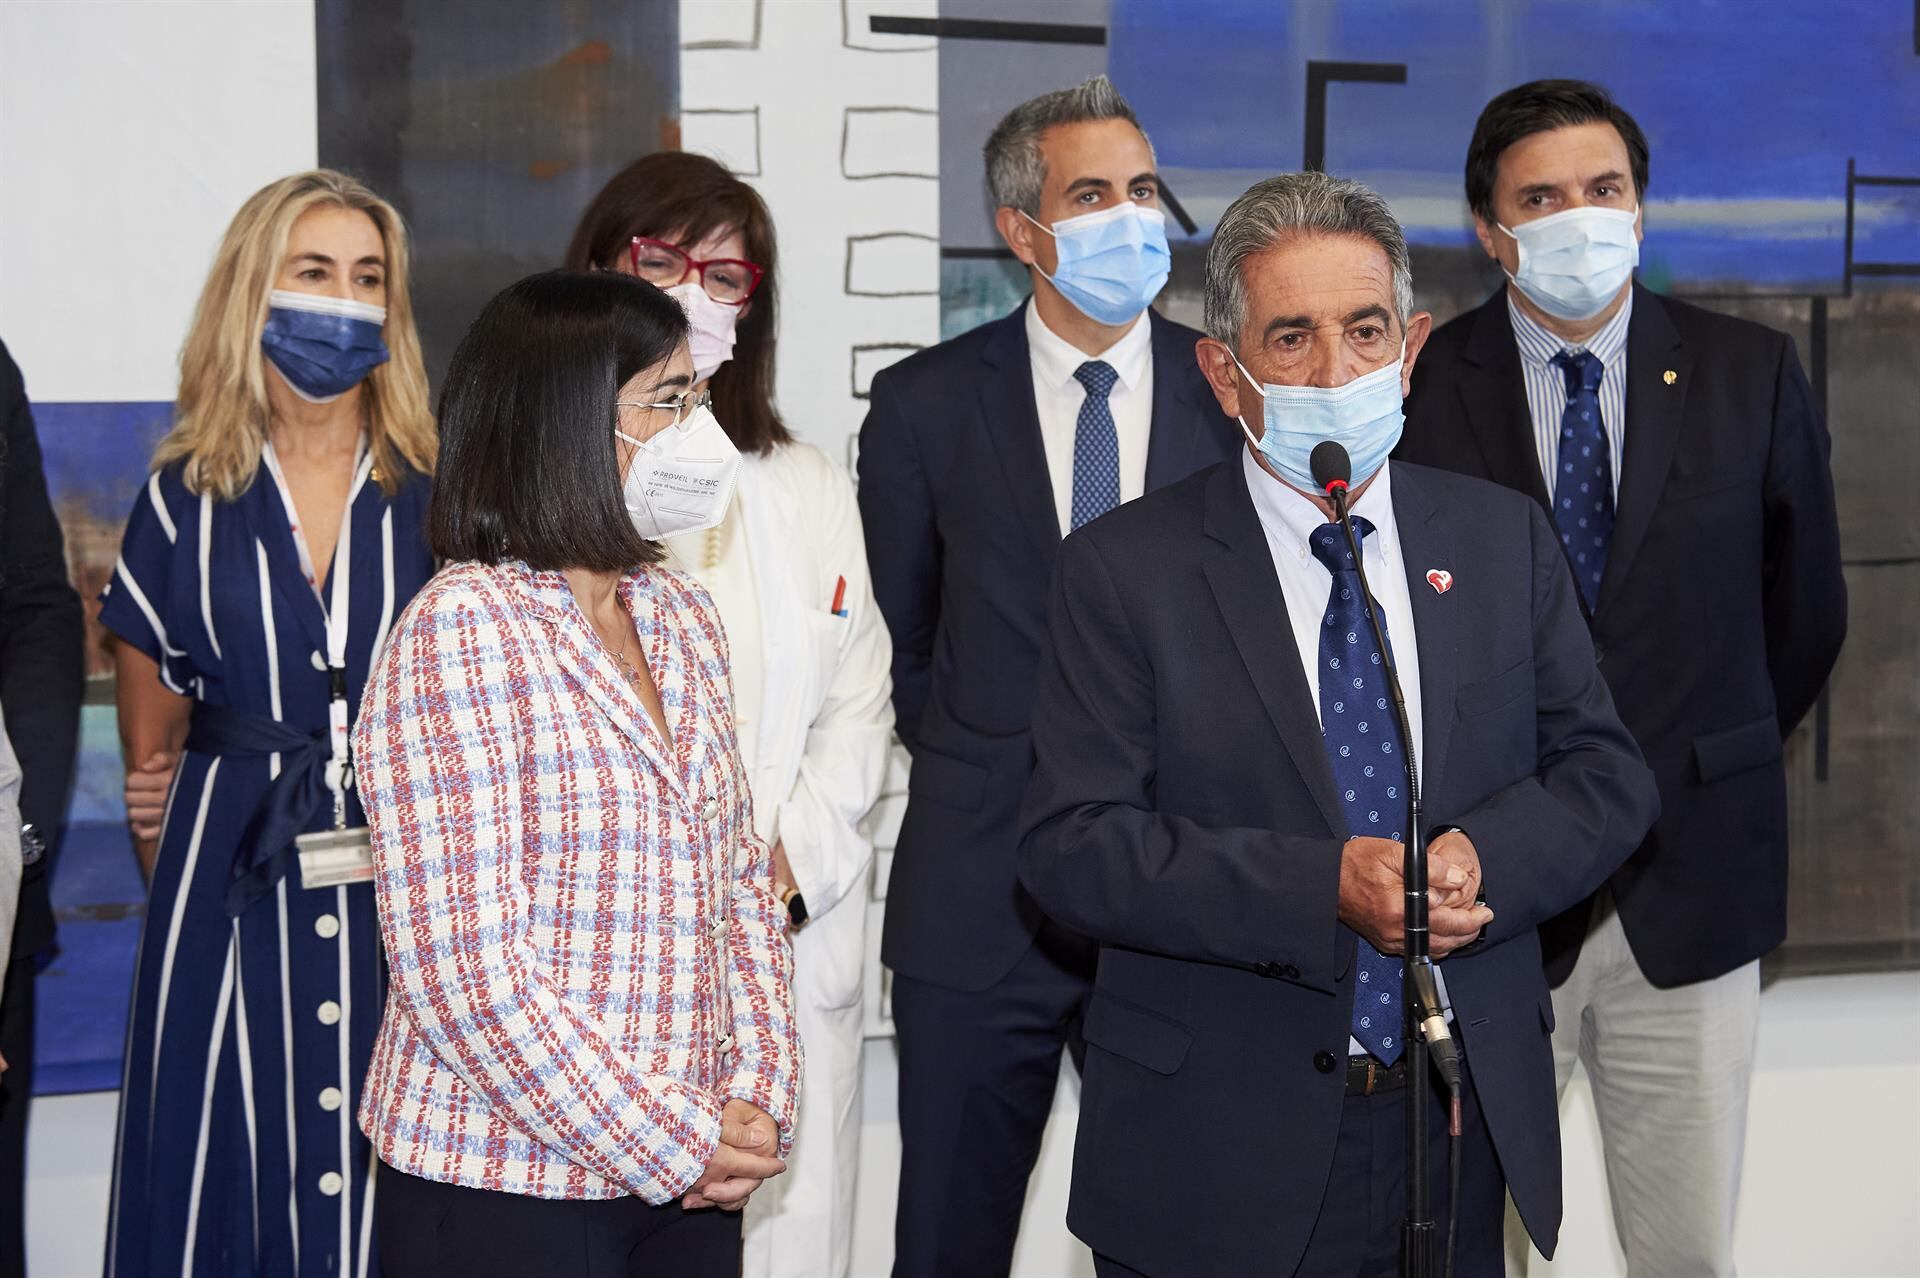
327,926
319,662
330,1098
719,927
726,1045
328,1012
1324,1062
711,811
331,1184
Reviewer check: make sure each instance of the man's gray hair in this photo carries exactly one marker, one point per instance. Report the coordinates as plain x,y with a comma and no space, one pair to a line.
1016,170
1278,209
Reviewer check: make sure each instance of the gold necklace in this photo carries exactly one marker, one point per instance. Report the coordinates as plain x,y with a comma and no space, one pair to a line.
627,669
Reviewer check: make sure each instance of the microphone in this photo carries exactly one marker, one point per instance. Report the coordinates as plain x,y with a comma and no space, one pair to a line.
1433,1024
1428,1036
1332,470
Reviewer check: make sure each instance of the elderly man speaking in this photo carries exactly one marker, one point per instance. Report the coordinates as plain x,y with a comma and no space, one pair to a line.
1219,793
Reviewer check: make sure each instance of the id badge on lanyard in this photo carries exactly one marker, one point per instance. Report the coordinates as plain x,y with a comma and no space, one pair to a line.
329,858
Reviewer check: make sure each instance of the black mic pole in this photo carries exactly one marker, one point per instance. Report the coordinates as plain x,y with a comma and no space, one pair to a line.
1332,470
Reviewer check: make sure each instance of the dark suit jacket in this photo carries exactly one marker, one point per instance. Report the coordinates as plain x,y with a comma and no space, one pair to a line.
961,536
1183,813
1720,615
42,661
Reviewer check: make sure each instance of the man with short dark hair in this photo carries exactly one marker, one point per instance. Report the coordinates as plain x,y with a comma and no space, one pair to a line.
976,458
1684,464
1221,794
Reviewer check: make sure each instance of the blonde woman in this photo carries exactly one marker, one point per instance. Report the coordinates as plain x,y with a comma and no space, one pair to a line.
279,536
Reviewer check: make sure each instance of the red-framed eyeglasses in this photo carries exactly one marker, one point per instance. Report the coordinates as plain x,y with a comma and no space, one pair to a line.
726,279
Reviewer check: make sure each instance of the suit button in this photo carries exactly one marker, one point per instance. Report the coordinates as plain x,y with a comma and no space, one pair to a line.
1291,972
1324,1062
1599,653
1263,969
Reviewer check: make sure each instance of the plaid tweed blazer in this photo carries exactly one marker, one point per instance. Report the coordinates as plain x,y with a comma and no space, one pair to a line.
587,957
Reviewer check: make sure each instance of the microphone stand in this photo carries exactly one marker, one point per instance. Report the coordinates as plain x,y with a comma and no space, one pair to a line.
1417,1232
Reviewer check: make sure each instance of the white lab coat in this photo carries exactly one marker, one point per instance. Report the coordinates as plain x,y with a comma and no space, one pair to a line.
816,757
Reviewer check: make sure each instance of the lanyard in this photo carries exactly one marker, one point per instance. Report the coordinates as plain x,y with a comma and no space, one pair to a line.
339,771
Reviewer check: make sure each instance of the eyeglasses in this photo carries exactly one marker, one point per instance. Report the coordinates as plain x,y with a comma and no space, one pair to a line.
683,405
726,279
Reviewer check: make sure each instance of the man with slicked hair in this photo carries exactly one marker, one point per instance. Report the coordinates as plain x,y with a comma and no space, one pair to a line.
976,458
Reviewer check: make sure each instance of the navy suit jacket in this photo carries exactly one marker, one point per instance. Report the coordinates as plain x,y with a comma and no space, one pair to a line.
1721,612
42,648
961,537
1183,814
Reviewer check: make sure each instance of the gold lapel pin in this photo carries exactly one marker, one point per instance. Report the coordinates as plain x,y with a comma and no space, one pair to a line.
1669,377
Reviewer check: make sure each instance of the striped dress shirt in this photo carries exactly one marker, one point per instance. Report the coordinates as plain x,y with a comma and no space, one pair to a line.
1547,385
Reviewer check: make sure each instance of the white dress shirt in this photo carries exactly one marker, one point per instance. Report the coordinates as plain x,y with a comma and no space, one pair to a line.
1058,395
1547,384
1289,519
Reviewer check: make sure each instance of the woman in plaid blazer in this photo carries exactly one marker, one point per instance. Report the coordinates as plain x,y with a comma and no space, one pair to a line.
588,1060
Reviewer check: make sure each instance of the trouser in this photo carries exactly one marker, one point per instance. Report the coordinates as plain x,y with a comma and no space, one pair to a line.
977,1077
1670,1071
429,1229
1357,1231
16,1094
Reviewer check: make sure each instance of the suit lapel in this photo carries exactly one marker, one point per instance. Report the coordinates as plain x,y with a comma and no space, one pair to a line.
1240,572
1425,544
1013,424
1655,409
1175,432
1494,396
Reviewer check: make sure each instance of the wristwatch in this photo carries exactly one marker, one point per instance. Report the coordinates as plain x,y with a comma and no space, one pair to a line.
33,844
796,908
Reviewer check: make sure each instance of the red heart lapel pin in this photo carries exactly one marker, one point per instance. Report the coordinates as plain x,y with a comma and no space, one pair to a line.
1440,579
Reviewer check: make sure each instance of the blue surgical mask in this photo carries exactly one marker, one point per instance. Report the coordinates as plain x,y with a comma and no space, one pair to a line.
1363,417
1113,263
1572,264
323,346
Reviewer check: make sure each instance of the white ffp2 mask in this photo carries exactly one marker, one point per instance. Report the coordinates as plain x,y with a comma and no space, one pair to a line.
681,480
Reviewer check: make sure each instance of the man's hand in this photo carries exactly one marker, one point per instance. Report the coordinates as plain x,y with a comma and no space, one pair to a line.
1453,851
1373,897
147,794
744,1159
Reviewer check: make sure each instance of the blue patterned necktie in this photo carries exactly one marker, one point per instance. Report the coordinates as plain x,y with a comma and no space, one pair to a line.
1096,446
1583,490
1363,744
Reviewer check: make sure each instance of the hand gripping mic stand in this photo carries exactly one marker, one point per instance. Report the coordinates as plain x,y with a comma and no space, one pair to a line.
1419,1000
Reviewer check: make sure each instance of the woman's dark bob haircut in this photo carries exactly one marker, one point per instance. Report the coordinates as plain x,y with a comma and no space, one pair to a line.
528,468
684,198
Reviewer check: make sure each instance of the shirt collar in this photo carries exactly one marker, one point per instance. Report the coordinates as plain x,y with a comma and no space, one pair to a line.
1291,518
1055,360
1538,345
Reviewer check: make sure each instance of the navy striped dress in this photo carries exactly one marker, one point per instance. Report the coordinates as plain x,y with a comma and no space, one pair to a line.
238,1153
